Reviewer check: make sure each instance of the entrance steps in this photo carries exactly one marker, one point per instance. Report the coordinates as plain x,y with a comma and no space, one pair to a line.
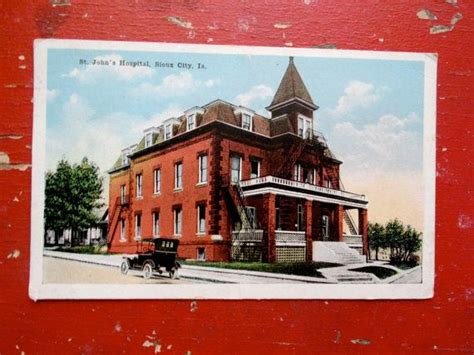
336,252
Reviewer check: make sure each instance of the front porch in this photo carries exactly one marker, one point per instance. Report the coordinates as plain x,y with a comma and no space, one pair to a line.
288,216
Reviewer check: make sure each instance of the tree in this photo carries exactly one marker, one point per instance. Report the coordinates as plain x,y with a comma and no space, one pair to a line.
377,238
402,240
72,194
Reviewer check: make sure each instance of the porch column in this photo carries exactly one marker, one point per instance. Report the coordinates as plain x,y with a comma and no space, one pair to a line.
363,230
269,221
309,230
339,223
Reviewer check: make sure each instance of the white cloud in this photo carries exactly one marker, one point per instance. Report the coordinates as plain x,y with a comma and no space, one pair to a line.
257,92
383,160
172,85
357,94
52,94
91,73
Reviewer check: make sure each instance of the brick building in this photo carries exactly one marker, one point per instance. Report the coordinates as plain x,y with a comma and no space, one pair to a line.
234,185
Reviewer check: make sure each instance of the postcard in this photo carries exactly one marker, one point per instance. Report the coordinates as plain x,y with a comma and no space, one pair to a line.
174,171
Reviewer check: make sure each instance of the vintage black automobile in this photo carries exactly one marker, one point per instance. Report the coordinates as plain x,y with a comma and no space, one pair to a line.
155,255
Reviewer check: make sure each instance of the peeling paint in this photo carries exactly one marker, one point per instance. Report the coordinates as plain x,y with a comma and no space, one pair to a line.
5,163
191,34
440,29
210,39
10,86
21,57
455,19
444,149
426,14
337,340
452,2
169,347
469,294
55,3
465,221
152,342
118,328
360,341
178,21
213,27
15,199
381,39
194,306
308,2
15,254
22,66
10,136
282,25
243,25
289,44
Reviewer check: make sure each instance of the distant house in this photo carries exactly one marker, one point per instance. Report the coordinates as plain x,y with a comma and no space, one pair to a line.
234,185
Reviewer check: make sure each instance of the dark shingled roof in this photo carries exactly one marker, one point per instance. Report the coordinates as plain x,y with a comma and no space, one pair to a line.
291,86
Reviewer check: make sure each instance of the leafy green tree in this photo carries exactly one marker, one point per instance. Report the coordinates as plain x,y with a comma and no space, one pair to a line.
72,194
377,238
402,240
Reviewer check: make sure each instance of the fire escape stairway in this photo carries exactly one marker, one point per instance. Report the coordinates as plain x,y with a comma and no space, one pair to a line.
350,223
290,159
114,219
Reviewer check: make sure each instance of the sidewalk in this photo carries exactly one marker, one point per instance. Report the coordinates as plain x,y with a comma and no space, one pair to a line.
199,273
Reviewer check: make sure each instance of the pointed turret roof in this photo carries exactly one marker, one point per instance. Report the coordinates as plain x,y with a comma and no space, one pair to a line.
291,87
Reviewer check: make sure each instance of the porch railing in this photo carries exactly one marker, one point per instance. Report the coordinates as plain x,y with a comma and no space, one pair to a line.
253,235
353,239
290,237
301,185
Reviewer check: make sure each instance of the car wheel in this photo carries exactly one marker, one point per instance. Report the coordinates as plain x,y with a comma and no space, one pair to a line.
125,267
147,271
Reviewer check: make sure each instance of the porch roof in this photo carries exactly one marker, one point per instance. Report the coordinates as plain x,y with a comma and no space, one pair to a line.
291,188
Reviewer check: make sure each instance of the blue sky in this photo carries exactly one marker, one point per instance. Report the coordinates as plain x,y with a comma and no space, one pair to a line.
371,111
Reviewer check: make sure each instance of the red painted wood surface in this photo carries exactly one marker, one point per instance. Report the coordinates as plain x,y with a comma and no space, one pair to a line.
444,323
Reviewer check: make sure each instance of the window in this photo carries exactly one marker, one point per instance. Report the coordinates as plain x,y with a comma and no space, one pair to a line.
202,169
328,183
156,223
308,176
251,213
124,159
138,226
201,219
201,254
178,176
325,227
148,140
156,181
139,186
299,219
304,127
254,168
315,177
178,221
297,172
246,121
168,132
123,192
235,168
191,122
123,236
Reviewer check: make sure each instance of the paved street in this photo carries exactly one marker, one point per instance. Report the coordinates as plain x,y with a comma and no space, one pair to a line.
61,267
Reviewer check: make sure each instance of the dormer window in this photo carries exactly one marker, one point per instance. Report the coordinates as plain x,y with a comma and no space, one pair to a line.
148,140
124,159
305,126
246,117
191,122
246,121
168,131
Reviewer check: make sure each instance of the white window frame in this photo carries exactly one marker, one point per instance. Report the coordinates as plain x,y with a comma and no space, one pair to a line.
299,217
253,212
123,230
240,168
156,223
139,185
202,168
178,176
328,183
258,168
305,126
191,122
315,176
124,159
201,220
148,140
297,172
157,181
244,124
138,226
177,221
168,131
123,193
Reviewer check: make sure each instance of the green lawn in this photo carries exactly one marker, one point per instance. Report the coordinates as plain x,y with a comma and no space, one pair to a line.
380,272
85,249
297,268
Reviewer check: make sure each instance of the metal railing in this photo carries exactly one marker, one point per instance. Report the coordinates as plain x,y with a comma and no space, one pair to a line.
244,235
353,239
